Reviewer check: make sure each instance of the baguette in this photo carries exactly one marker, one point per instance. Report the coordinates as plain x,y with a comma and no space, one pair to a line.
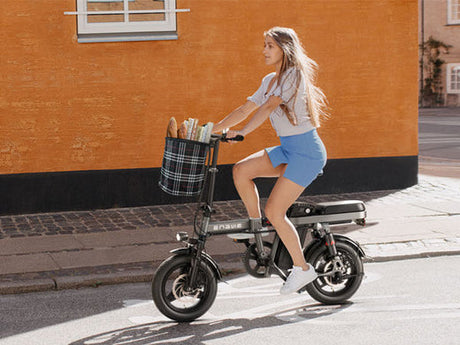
172,128
182,131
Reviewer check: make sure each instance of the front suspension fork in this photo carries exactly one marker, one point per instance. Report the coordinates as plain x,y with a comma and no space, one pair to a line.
332,249
329,240
195,263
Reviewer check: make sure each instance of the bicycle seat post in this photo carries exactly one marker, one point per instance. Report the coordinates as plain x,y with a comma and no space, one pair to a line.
256,226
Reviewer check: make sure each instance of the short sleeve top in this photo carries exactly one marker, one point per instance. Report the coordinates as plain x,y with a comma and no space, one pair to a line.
286,91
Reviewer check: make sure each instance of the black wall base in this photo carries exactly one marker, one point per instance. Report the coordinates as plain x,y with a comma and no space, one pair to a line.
85,190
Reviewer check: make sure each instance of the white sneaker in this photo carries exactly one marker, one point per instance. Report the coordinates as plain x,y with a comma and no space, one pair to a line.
297,279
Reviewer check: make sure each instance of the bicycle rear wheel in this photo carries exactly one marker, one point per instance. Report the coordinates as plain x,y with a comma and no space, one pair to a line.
341,286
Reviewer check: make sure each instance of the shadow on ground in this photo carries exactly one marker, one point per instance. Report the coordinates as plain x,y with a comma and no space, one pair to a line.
200,332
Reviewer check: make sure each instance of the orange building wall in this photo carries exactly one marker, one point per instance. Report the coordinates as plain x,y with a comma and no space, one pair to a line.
69,106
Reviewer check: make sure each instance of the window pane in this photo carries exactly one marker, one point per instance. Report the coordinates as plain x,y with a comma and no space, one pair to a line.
138,5
455,78
456,9
104,5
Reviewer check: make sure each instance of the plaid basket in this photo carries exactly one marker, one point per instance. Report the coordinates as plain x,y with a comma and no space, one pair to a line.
183,169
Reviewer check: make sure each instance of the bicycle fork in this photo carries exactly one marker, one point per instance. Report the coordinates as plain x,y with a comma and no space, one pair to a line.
198,248
337,264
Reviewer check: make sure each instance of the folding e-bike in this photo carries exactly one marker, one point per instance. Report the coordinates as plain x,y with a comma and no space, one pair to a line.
185,285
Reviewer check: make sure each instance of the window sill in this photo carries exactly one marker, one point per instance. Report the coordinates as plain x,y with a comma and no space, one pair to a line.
127,37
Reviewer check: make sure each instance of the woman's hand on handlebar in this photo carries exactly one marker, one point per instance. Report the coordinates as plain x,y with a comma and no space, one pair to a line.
233,134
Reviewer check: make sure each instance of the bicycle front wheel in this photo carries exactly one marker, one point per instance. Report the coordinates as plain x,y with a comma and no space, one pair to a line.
175,297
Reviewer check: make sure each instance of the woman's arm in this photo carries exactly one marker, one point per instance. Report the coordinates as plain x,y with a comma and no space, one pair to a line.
235,117
261,115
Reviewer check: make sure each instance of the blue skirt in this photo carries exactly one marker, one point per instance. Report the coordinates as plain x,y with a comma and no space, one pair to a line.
304,154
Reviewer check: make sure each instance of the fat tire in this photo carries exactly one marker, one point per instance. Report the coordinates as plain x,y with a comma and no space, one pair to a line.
353,258
160,279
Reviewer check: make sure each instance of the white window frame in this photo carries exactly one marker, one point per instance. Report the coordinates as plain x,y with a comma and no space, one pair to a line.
449,70
126,27
450,14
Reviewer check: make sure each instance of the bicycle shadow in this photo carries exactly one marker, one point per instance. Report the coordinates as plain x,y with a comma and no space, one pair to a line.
201,331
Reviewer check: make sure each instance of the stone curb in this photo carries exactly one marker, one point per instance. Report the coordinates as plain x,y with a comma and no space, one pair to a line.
95,280
370,259
25,286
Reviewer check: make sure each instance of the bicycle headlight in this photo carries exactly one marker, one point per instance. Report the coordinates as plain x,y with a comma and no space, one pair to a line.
181,236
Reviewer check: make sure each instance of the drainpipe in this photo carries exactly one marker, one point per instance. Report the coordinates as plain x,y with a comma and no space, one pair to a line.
422,34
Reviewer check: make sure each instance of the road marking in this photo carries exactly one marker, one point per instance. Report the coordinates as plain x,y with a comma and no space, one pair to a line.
371,277
180,340
448,315
259,311
142,320
295,312
229,291
135,302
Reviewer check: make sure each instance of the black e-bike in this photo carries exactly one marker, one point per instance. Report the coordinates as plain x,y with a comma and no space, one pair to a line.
184,286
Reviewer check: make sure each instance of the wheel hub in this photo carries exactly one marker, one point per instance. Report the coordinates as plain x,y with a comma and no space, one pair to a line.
180,291
335,269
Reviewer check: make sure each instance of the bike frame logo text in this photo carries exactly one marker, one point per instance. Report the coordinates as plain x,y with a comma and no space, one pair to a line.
227,226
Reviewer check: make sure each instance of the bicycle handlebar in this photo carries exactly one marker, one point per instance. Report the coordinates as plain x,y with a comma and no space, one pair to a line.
223,137
237,138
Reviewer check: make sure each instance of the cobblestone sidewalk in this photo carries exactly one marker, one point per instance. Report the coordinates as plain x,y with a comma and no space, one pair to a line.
432,189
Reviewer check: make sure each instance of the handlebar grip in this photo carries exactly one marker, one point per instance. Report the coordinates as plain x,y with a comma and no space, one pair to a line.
237,138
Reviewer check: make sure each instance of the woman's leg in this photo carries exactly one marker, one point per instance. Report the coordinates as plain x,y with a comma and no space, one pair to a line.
256,165
283,195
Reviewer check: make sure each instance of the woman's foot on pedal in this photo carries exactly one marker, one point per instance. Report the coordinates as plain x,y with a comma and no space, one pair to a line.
297,279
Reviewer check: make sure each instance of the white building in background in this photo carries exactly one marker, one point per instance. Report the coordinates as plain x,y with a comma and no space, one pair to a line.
441,20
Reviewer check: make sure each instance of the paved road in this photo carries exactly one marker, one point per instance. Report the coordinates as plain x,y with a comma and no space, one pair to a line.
439,143
439,138
412,301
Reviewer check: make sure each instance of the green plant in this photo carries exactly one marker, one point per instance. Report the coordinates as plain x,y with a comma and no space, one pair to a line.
431,92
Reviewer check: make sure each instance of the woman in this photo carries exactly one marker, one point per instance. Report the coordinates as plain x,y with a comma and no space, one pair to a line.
294,105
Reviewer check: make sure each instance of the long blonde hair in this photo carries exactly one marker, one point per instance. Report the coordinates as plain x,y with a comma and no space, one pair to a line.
294,56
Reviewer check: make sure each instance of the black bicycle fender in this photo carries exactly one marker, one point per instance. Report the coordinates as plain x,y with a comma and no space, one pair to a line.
312,246
205,256
352,243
